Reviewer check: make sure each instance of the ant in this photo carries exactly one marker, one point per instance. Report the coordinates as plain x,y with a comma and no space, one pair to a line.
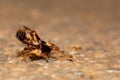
36,48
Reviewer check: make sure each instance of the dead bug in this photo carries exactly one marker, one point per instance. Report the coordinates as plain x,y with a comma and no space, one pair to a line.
36,48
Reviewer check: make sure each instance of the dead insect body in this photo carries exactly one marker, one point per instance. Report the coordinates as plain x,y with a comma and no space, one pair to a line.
37,48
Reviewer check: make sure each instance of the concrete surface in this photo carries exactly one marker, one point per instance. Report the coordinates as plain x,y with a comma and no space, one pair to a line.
92,24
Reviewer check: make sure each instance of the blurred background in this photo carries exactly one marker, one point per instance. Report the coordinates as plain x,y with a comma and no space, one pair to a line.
60,16
85,11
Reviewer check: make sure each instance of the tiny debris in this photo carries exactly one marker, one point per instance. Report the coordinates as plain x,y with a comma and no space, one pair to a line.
35,48
76,47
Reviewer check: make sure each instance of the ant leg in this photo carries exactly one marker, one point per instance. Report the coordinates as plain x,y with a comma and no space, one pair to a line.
46,57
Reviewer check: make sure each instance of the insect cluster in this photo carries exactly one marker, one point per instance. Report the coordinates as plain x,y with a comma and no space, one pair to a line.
35,48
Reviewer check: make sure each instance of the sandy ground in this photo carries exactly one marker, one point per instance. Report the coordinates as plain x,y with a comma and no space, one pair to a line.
94,25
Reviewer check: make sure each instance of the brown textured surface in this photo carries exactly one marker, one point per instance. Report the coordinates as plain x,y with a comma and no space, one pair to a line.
92,24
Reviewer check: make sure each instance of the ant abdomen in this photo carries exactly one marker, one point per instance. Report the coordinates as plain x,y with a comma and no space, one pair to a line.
21,36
